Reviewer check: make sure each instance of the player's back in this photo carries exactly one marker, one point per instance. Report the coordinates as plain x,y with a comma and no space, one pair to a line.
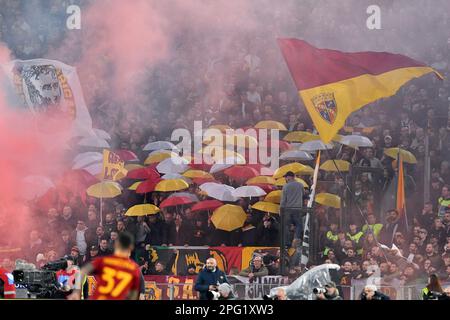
116,278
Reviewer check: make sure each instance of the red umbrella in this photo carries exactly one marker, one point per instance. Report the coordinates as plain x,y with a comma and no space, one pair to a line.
175,201
207,205
143,173
200,166
241,172
126,155
147,186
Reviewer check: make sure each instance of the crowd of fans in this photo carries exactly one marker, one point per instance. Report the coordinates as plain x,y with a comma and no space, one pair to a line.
255,86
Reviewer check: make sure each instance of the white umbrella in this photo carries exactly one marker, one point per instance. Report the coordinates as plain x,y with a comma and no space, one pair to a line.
35,187
296,155
102,134
159,145
95,142
226,163
314,145
248,191
356,141
83,155
173,165
86,161
94,169
171,176
219,191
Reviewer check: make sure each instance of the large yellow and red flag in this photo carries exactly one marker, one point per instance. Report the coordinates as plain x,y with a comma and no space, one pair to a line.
401,203
333,84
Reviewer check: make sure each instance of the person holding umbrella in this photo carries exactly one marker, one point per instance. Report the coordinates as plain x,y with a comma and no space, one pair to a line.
290,206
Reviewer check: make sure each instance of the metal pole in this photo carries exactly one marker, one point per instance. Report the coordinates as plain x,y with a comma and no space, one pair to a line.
282,242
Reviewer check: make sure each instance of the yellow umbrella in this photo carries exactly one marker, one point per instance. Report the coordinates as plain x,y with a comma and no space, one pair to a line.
134,186
282,181
133,166
295,167
335,165
266,207
328,199
171,185
197,174
142,210
228,217
220,158
269,124
158,157
300,136
274,196
221,127
406,156
261,180
105,189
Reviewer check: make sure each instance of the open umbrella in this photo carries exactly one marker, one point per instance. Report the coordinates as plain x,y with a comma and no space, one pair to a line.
328,199
335,166
260,180
87,155
248,191
175,201
226,163
294,167
142,210
282,181
218,191
105,189
314,145
262,170
269,124
356,141
159,145
296,155
102,134
265,206
159,156
35,186
199,181
88,160
133,166
147,186
407,156
206,205
143,173
189,195
197,174
228,217
126,155
241,172
172,176
266,187
300,136
94,142
94,169
274,196
134,186
171,185
173,165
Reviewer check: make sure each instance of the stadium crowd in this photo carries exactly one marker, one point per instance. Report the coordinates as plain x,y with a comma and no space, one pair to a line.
251,91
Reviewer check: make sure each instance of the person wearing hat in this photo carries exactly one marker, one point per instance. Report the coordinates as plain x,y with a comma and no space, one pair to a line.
291,205
75,254
331,293
92,254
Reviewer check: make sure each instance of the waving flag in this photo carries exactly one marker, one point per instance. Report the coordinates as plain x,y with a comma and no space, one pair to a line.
333,84
113,166
48,87
401,203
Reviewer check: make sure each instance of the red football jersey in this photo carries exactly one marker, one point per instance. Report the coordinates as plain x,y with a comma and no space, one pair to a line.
116,277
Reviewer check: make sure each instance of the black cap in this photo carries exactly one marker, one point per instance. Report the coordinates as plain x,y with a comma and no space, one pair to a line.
289,174
94,248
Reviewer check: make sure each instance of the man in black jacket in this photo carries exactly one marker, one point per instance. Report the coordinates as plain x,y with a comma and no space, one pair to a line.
209,279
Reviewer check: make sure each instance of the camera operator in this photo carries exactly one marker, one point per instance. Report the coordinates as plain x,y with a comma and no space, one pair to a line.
224,292
209,279
69,278
433,289
330,292
370,293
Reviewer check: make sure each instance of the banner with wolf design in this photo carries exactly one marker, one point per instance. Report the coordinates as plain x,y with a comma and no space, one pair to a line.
47,87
